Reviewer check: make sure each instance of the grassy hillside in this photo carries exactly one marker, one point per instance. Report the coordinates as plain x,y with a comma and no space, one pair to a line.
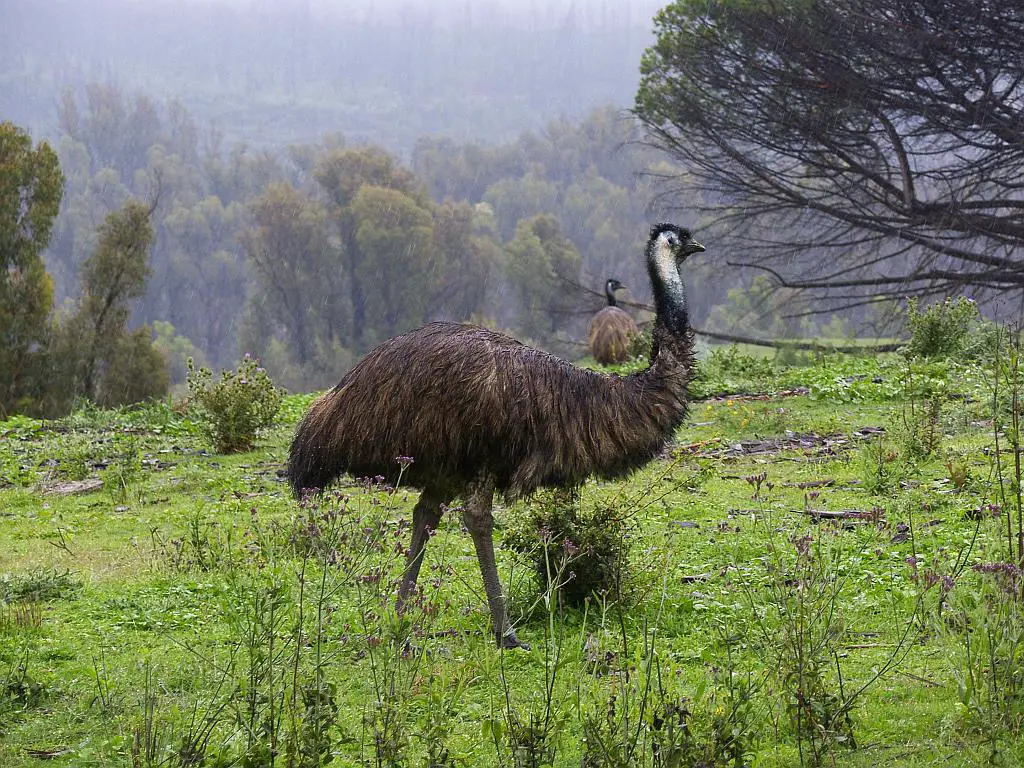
800,587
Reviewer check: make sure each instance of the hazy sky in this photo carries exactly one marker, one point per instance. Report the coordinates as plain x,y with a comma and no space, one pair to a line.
286,70
633,11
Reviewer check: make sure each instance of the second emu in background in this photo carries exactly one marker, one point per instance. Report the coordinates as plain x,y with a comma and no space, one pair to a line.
611,330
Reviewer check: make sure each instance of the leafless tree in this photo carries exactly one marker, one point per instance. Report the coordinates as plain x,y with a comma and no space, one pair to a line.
859,149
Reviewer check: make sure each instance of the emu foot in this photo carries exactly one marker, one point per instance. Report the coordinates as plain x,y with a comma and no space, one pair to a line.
509,640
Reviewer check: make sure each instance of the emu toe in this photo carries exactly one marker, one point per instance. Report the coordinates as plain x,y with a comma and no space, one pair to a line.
510,640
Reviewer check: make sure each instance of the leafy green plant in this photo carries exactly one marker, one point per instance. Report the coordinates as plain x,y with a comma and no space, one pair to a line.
881,467
640,345
644,720
12,468
728,370
959,468
236,407
587,549
204,545
799,624
39,585
942,329
19,689
983,620
122,474
72,457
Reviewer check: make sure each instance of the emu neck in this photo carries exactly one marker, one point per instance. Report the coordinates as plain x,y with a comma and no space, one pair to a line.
610,294
671,325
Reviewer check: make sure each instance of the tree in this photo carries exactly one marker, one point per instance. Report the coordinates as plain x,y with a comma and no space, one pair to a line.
866,148
341,175
516,199
542,267
396,261
463,237
291,257
107,363
207,265
31,187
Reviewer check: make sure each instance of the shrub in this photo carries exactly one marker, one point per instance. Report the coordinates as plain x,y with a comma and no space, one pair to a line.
581,553
941,330
236,407
727,369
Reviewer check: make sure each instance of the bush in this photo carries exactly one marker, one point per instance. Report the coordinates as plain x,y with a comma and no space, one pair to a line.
579,553
727,369
947,329
236,407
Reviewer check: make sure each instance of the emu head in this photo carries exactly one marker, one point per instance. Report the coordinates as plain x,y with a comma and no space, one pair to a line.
610,287
672,240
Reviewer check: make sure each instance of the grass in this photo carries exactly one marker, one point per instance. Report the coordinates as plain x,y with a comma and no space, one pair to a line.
190,613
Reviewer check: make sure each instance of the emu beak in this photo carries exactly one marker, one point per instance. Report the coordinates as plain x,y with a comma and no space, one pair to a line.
693,247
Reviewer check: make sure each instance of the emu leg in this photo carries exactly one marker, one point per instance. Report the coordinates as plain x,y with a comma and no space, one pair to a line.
425,518
478,519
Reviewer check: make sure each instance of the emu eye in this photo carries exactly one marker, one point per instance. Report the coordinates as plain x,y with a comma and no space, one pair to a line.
671,239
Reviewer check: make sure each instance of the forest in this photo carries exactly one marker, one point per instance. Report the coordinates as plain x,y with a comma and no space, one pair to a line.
308,256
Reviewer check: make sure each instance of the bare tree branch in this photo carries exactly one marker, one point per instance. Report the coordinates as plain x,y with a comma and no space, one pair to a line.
867,147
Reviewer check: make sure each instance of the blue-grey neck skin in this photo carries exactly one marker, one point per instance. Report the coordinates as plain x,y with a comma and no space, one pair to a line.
610,293
667,284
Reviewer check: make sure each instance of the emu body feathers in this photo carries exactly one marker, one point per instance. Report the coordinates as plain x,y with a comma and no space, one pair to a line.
464,401
479,412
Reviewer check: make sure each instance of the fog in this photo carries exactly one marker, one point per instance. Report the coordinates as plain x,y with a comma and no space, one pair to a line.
274,71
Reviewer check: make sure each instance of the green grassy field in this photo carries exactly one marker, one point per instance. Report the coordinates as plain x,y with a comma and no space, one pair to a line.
799,588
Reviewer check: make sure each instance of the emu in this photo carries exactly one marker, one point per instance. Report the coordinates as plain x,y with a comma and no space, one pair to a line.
479,412
611,329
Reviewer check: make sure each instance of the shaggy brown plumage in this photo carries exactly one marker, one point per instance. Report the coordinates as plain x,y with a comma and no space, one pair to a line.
611,330
480,412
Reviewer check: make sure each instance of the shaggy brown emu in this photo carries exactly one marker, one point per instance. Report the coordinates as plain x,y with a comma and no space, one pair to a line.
611,329
480,412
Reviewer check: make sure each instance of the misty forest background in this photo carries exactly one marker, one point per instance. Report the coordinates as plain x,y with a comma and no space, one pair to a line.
321,179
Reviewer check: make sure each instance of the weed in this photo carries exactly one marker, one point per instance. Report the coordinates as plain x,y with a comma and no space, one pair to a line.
122,474
983,618
40,585
958,466
235,408
158,739
107,695
984,623
639,347
72,457
727,370
19,690
13,470
530,731
799,623
205,545
18,618
590,549
881,467
645,720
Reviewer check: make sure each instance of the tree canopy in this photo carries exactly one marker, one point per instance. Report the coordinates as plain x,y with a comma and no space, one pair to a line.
864,148
31,187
